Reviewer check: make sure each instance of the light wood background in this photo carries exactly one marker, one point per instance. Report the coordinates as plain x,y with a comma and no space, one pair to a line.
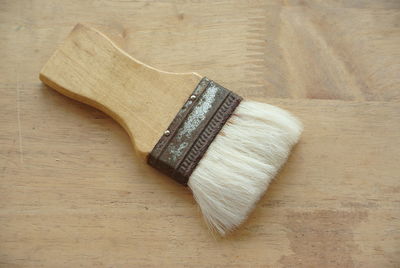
72,193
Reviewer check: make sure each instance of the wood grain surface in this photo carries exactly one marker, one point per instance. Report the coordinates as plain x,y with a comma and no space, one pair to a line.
73,194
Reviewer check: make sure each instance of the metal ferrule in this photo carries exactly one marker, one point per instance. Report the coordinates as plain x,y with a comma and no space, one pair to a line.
197,123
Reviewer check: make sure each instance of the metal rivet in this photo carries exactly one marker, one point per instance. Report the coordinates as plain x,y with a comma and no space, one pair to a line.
167,132
193,97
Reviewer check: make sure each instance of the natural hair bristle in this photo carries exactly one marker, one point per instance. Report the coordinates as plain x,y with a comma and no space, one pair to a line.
239,165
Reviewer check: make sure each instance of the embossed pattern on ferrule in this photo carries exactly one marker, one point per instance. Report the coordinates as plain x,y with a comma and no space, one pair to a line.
195,126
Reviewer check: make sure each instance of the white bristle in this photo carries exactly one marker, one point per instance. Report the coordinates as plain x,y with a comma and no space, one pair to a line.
241,162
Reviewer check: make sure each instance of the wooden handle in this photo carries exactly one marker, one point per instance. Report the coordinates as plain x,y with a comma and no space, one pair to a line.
90,68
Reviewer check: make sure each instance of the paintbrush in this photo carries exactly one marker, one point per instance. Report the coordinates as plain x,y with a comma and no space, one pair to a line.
226,149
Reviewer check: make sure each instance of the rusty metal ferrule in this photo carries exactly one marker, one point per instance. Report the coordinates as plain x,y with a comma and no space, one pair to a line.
195,126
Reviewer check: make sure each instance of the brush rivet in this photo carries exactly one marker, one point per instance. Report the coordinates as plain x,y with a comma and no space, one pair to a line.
167,132
193,97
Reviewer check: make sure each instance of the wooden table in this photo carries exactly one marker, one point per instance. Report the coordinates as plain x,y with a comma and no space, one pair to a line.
73,194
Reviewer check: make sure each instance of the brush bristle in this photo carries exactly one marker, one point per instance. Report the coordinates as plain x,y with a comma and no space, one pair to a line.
241,162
